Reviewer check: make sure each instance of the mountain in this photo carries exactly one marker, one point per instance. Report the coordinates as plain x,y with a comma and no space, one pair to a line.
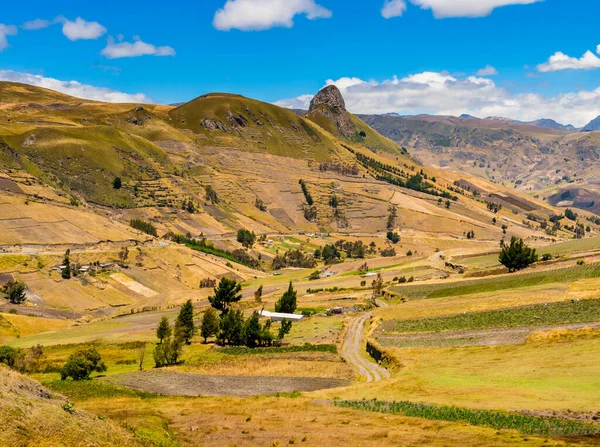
467,116
592,125
245,151
551,124
522,156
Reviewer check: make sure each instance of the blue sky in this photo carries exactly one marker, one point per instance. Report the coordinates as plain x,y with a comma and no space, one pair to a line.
406,56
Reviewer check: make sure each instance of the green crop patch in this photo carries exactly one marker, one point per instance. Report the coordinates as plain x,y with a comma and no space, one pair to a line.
530,425
539,315
493,284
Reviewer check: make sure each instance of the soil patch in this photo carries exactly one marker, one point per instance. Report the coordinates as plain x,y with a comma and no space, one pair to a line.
186,384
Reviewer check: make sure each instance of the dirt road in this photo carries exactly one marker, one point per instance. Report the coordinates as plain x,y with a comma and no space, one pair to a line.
353,348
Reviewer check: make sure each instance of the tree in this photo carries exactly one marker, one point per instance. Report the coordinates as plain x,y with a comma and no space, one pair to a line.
330,254
226,293
66,271
569,214
517,255
81,364
117,183
210,324
16,292
391,222
258,294
168,352
123,255
253,331
393,237
377,285
246,238
333,201
211,194
287,302
163,331
184,324
232,328
284,329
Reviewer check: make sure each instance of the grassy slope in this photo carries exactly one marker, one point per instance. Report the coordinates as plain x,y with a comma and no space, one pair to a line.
30,415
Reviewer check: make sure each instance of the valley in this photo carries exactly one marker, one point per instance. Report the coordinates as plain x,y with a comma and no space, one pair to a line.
387,235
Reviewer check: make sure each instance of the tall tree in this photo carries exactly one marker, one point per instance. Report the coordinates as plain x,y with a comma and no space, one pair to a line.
163,331
184,325
287,302
517,255
210,324
226,293
16,292
258,294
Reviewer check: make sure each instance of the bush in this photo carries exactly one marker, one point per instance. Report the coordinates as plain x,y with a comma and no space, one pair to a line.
8,355
314,276
81,364
388,252
117,183
293,258
546,257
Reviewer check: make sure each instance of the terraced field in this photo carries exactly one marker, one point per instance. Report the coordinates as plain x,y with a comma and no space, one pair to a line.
503,282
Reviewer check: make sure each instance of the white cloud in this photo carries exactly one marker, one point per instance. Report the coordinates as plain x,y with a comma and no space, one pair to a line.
445,94
488,70
257,15
73,88
393,8
6,30
115,50
451,8
560,61
36,24
80,29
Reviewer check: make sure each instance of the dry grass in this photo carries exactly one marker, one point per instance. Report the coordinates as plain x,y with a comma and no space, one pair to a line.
30,415
272,422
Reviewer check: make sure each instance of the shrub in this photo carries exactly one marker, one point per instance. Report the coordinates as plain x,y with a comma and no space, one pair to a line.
117,183
388,252
81,364
8,355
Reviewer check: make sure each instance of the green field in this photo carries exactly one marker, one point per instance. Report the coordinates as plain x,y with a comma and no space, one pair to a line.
539,315
492,284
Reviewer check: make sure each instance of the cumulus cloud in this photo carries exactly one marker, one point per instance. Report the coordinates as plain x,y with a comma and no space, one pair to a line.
6,30
444,94
451,8
560,61
36,24
488,70
393,8
73,88
257,15
114,50
80,29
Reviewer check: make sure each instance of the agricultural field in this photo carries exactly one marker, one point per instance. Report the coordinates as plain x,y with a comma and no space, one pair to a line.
151,256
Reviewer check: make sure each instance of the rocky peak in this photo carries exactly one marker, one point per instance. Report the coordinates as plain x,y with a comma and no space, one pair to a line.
330,97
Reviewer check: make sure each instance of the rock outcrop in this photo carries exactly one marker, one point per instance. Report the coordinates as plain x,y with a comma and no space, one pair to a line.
330,103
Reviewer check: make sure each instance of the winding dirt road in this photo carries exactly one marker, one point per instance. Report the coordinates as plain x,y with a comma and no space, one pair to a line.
352,351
